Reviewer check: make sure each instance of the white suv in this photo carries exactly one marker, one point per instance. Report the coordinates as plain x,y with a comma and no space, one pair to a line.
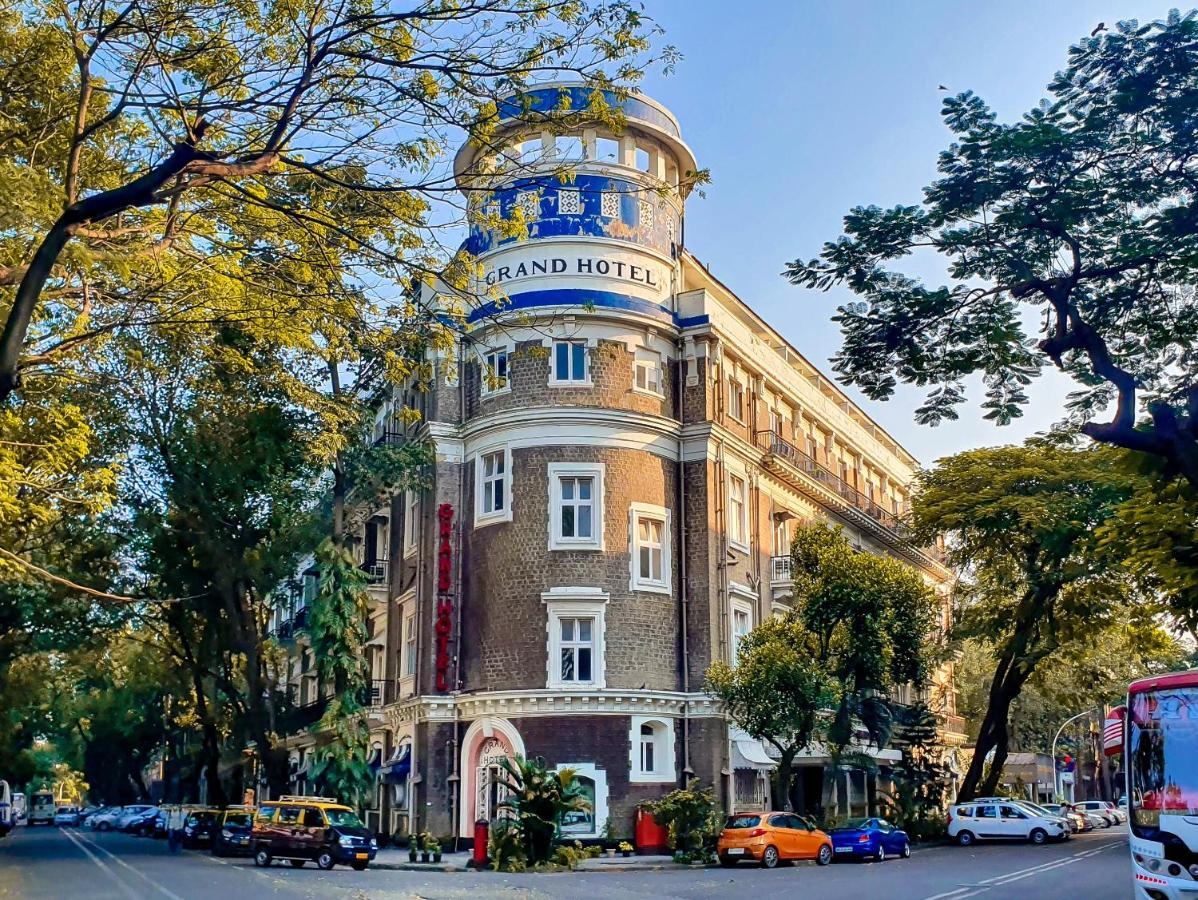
1002,820
1104,808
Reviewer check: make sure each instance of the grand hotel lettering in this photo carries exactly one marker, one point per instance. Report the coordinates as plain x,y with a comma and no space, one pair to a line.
608,268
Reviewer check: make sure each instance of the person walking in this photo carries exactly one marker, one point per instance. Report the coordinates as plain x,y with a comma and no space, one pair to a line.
174,827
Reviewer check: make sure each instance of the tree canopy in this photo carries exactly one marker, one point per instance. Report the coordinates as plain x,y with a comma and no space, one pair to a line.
1082,216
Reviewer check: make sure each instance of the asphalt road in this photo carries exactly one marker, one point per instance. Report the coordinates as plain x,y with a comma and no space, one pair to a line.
48,864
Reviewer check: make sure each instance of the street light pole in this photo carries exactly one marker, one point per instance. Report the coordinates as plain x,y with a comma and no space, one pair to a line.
1056,776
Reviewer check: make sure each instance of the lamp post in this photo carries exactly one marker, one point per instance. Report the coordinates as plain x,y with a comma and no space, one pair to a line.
1056,776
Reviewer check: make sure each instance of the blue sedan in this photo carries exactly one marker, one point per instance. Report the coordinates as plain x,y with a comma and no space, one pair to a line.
869,839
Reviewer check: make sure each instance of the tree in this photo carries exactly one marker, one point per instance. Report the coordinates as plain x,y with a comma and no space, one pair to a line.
1021,524
692,817
1083,214
920,777
860,627
282,166
538,797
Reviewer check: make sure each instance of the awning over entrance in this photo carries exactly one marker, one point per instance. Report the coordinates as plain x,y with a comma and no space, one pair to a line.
748,753
396,769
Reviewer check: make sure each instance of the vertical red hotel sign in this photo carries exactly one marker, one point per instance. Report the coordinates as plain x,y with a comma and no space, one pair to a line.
444,625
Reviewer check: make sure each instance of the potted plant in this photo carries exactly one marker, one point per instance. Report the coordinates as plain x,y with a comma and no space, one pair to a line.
625,848
424,840
433,846
412,849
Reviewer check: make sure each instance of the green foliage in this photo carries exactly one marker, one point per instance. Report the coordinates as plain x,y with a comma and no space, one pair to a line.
1079,214
693,818
538,797
920,778
505,847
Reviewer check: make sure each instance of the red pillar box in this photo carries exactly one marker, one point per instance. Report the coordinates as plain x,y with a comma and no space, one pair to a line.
482,833
651,838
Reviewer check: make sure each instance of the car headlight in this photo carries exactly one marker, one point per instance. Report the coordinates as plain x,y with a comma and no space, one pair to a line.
347,841
374,844
226,833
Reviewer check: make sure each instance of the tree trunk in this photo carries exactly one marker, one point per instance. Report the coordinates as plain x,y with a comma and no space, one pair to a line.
783,776
993,734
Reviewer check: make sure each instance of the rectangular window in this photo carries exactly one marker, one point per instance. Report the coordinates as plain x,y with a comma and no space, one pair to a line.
410,516
652,750
410,646
738,531
494,371
742,624
576,506
647,377
736,400
492,487
577,647
569,363
576,511
649,528
781,536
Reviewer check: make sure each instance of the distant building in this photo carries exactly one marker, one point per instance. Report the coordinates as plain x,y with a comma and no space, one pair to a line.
623,449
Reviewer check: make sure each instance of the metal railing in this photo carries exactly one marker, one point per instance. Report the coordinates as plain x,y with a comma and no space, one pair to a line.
379,692
378,571
780,570
388,437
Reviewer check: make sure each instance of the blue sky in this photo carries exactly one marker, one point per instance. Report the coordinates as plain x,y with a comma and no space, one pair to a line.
804,109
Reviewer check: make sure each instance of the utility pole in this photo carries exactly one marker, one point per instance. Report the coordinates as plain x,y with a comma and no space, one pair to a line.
1056,775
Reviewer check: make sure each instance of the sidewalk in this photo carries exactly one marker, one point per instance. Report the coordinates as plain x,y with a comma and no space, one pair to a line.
395,859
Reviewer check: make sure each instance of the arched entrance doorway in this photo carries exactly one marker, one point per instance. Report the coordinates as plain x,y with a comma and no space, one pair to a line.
488,741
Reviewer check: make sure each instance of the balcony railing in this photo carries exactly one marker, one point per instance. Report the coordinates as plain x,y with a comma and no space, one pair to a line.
388,437
377,572
300,621
379,692
780,570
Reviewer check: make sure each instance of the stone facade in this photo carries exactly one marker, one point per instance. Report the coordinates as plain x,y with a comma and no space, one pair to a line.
606,381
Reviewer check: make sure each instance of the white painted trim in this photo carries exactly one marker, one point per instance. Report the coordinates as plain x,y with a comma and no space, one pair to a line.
589,345
733,542
574,427
656,364
482,351
541,702
736,603
649,510
663,750
504,515
556,470
599,811
565,602
486,726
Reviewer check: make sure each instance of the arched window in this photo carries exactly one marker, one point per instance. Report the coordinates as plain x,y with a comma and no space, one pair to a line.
652,750
648,748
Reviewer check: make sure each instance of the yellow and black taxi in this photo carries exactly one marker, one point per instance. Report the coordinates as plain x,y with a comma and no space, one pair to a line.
232,832
316,829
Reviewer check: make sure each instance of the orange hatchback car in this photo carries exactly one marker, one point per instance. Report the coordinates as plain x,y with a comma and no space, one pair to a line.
771,837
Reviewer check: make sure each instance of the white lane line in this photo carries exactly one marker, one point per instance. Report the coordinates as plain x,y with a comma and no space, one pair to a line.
958,892
128,891
171,895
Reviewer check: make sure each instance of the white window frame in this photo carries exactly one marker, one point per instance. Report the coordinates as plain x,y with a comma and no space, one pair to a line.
504,515
737,604
486,367
558,471
409,646
599,811
410,507
664,752
585,381
637,512
738,536
735,384
648,365
568,603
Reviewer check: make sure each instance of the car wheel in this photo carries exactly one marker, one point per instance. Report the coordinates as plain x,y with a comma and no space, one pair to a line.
262,858
104,826
824,856
965,838
325,861
880,856
359,866
769,859
297,863
1038,836
728,862
906,851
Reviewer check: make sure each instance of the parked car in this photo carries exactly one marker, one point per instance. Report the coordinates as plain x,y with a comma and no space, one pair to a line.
142,824
87,812
160,821
771,837
1034,808
106,819
1080,823
41,809
234,829
969,822
198,827
66,815
1100,808
128,814
1093,819
870,839
299,829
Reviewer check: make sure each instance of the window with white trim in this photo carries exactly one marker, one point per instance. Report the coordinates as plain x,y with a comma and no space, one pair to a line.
493,487
410,645
736,400
576,506
742,624
569,202
738,508
575,646
781,535
646,377
570,363
649,529
494,376
652,750
410,517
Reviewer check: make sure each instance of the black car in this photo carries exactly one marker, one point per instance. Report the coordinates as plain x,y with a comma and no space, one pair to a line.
198,829
231,835
142,825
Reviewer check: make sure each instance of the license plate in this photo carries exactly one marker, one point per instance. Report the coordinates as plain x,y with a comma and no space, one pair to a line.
844,849
735,851
361,856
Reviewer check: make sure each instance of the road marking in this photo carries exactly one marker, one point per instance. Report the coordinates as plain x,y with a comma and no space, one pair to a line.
103,867
955,893
171,895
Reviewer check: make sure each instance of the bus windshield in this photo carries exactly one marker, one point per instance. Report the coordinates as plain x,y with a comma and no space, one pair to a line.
1162,742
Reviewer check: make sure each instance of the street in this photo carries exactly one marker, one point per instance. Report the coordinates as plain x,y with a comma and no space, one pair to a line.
47,864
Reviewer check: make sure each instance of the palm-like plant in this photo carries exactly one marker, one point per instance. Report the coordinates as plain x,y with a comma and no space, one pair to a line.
538,797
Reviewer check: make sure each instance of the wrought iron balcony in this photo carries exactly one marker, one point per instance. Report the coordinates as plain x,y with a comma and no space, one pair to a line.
780,571
377,572
379,692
